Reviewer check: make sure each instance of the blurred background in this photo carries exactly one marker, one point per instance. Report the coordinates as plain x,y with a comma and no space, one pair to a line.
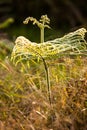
65,16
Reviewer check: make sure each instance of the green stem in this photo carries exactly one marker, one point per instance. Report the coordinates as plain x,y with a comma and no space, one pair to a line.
42,35
48,81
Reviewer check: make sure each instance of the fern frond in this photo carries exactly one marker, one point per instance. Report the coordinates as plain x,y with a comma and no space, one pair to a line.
72,43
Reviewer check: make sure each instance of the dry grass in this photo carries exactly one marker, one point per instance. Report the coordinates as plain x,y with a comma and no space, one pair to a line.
24,103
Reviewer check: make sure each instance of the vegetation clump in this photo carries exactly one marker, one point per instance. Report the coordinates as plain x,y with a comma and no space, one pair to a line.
24,101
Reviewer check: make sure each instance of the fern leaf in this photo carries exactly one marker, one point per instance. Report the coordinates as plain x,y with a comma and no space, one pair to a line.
72,43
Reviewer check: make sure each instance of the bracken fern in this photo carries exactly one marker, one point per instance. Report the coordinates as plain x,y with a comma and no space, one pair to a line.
70,44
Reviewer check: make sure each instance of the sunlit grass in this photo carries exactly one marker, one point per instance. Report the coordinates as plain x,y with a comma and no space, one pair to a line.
23,96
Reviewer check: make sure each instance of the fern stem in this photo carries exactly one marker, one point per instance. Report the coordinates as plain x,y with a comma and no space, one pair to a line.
42,35
48,80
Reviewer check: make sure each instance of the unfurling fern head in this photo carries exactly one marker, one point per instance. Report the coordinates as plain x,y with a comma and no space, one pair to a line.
43,22
71,44
45,19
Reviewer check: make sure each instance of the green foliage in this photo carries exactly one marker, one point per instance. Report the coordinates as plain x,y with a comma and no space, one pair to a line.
70,44
6,23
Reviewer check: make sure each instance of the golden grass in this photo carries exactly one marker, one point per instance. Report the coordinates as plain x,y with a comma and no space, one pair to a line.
24,103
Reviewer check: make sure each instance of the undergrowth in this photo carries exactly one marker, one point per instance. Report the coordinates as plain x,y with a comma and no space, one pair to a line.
23,96
24,102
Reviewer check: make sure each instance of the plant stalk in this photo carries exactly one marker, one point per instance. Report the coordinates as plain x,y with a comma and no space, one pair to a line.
42,35
48,80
